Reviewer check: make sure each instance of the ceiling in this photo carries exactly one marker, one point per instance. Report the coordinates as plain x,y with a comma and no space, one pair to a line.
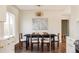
46,7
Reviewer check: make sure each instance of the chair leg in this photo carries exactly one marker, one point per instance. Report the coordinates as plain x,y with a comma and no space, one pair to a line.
57,44
31,47
48,45
38,47
42,47
20,45
53,46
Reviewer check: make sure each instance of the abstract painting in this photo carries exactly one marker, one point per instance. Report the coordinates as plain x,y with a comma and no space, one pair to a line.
40,23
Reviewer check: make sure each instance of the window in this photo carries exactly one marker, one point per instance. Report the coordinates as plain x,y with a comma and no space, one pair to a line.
9,25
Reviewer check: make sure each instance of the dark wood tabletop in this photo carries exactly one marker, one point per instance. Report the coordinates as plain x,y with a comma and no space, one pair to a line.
40,35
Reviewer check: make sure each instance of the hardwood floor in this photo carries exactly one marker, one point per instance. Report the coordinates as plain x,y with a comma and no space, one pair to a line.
61,49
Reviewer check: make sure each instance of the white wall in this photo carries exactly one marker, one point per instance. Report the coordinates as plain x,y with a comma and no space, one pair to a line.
2,12
54,20
2,19
74,32
1,29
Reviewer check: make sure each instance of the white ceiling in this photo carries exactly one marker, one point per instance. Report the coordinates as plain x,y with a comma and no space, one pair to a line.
46,7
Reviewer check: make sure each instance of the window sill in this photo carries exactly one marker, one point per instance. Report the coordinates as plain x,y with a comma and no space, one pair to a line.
6,37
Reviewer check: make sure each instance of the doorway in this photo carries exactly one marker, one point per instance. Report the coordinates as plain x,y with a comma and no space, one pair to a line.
65,27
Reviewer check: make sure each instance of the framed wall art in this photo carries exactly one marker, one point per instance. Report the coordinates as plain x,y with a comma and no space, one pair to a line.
40,23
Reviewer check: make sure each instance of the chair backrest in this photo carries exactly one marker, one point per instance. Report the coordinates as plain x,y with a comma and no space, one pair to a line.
35,33
32,39
44,33
46,38
57,37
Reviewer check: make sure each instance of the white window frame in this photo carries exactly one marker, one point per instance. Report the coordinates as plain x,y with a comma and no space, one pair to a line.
13,34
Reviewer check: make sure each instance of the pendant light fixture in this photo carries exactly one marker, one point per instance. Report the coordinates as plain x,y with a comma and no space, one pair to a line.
39,11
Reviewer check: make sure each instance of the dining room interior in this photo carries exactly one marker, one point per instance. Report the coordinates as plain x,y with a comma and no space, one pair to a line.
39,28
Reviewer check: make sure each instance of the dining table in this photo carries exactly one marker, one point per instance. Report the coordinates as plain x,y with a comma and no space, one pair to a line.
51,36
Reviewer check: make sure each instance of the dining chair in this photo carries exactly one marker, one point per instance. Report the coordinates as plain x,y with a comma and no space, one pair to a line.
19,45
34,40
55,42
44,41
20,40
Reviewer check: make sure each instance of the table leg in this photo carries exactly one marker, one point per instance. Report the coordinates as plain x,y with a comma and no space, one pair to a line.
50,44
38,44
42,45
54,43
27,43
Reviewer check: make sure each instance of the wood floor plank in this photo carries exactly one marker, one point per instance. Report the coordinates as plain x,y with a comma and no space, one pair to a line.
61,49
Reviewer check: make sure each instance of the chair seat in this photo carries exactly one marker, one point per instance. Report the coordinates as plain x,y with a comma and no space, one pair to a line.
46,41
34,41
